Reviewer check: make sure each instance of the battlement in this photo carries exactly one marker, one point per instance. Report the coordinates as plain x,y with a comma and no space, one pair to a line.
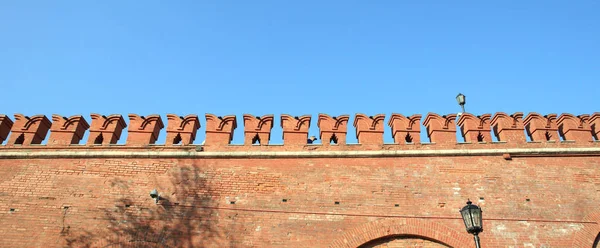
86,180
511,130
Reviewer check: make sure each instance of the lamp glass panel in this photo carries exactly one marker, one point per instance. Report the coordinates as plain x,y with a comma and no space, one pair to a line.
460,99
476,212
467,218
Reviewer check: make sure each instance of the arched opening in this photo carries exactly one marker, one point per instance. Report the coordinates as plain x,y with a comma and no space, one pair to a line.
403,241
561,134
408,138
548,136
333,140
177,139
256,140
99,140
597,241
20,140
480,137
495,129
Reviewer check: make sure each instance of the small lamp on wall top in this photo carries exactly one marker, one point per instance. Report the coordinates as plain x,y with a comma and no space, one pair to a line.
461,99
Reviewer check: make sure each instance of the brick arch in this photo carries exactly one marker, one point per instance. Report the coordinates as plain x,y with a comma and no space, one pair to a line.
590,232
402,227
403,241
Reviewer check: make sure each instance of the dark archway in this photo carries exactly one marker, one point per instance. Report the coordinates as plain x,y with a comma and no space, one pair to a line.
597,241
392,227
403,241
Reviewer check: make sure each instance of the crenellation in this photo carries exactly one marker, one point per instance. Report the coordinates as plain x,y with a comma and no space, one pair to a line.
405,129
574,128
369,129
106,130
219,130
333,129
475,128
295,129
541,128
594,125
181,129
5,125
441,129
257,129
29,130
143,130
509,128
67,131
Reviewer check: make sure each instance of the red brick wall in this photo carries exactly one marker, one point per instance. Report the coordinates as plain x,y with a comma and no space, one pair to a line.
108,200
544,193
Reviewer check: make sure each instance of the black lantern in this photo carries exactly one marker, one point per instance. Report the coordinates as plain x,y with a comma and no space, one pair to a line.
471,215
461,99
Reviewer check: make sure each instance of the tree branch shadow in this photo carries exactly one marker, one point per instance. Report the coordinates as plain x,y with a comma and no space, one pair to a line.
185,218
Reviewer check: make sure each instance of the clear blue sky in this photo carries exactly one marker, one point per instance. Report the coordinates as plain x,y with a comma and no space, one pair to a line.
307,57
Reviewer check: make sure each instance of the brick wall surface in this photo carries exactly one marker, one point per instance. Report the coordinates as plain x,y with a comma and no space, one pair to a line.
539,201
544,193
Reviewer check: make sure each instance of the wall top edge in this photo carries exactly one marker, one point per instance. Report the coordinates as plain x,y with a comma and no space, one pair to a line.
192,154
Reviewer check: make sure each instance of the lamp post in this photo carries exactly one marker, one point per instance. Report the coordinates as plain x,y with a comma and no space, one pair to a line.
154,194
471,215
461,99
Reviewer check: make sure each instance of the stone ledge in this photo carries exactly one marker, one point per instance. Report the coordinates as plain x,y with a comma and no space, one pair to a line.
514,152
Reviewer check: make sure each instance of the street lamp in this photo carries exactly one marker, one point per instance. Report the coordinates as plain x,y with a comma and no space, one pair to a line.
461,99
471,215
154,194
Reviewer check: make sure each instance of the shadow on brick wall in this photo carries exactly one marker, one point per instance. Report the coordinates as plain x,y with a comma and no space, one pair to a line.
183,219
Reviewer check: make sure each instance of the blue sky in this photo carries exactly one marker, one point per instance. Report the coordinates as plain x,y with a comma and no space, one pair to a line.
302,57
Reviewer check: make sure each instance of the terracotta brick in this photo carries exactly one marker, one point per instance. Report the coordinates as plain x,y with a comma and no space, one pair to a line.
475,128
67,131
257,129
143,130
405,129
369,129
29,130
295,129
5,126
594,125
441,129
105,129
509,128
300,195
575,128
182,130
541,128
219,130
333,129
